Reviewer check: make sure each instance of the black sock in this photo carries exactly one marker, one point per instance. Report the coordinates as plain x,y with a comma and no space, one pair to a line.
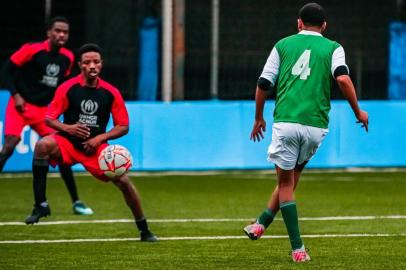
142,225
67,176
40,170
3,158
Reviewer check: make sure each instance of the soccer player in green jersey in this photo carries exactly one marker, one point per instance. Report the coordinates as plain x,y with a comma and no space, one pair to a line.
301,66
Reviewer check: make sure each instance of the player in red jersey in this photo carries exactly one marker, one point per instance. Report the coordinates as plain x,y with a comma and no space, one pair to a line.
86,102
32,75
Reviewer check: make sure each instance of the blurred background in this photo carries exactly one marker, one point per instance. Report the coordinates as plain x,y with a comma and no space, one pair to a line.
203,59
130,32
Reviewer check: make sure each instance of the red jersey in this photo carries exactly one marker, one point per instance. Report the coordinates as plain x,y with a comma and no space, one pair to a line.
90,106
34,71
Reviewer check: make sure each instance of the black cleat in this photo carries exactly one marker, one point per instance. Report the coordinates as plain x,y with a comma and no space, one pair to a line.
148,237
37,213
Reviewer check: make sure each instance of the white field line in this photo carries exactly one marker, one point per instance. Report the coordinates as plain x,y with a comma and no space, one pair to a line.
175,238
185,220
252,173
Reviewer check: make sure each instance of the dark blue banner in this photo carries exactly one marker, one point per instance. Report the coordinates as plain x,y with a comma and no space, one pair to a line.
397,61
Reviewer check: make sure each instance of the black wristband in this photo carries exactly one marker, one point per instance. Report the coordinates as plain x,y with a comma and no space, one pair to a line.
340,70
264,84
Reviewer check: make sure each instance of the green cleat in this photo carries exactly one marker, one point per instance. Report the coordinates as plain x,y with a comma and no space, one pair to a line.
79,208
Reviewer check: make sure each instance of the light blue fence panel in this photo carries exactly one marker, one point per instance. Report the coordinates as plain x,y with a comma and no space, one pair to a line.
215,135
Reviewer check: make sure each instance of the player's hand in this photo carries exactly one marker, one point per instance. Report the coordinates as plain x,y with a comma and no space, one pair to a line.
19,103
258,130
92,144
79,130
363,118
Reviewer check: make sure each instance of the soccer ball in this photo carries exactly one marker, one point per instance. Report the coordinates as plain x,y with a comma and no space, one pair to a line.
115,160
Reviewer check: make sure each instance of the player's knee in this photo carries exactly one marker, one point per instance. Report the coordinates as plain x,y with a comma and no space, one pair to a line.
286,182
44,146
122,183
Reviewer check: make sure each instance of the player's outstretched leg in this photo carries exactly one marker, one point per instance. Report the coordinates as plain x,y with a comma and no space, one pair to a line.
10,144
133,201
287,205
255,230
79,207
41,208
40,167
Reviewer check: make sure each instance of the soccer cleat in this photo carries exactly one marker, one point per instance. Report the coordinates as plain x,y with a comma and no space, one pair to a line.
37,213
148,237
79,208
300,255
254,231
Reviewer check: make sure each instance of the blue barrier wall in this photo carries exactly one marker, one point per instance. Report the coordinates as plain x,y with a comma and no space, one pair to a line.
215,135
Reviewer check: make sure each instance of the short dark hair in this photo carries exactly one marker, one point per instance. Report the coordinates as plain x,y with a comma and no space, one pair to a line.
312,14
89,47
56,19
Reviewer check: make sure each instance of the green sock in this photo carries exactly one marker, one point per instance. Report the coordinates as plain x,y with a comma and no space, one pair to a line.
266,218
289,214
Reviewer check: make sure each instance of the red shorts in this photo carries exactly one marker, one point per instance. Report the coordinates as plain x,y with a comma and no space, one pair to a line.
71,155
33,116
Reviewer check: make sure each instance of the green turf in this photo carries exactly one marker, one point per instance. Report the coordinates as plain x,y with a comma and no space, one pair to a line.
229,195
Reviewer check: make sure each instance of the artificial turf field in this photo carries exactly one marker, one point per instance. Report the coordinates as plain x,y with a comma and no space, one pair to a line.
348,221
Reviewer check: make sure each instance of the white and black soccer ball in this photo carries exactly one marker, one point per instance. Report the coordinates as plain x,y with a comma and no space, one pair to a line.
115,160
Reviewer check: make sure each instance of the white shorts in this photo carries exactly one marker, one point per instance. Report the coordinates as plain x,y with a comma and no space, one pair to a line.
293,144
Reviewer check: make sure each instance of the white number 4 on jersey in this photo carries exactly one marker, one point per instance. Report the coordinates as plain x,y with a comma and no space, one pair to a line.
301,66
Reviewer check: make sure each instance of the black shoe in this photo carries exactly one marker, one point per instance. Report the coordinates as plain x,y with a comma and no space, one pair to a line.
148,237
37,213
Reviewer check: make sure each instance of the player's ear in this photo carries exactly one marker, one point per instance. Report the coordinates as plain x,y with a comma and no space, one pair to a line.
323,27
299,25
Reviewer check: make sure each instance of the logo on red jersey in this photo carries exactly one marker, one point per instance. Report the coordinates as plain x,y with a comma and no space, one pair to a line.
51,77
88,107
53,70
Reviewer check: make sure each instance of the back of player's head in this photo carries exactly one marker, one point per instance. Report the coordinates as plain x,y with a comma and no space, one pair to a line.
89,47
56,19
312,14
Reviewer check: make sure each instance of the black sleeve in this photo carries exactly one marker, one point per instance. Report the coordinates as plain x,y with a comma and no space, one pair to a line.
340,70
264,84
64,79
9,74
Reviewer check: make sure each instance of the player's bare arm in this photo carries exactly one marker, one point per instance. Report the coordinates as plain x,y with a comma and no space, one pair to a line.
116,132
11,71
347,88
19,102
259,127
78,130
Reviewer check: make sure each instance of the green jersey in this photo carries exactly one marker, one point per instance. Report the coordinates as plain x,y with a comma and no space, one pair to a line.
304,81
